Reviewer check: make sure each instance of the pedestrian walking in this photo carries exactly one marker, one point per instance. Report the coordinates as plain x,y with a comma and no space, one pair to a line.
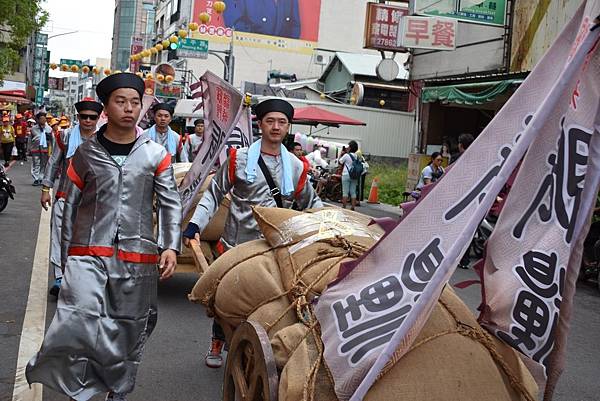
161,133
7,140
107,305
265,174
65,143
349,181
38,147
21,128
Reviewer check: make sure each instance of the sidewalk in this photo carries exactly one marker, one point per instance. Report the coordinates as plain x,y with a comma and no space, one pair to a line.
381,207
375,210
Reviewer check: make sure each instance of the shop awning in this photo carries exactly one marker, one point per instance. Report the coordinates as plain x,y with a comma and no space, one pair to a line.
312,115
13,99
464,94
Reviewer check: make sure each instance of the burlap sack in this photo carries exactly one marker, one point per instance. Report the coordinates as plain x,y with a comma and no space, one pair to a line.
285,342
206,287
294,379
314,256
451,359
248,286
274,316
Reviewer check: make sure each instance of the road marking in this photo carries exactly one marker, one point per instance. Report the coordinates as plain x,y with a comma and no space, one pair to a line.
34,322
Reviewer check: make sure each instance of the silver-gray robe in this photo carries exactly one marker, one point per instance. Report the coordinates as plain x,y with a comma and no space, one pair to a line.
241,226
107,304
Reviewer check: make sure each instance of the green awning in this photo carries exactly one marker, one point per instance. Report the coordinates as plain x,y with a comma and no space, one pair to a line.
456,94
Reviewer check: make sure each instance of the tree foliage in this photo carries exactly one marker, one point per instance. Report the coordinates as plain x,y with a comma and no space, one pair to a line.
18,20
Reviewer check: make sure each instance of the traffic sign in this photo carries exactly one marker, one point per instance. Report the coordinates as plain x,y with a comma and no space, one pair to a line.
193,48
69,62
39,96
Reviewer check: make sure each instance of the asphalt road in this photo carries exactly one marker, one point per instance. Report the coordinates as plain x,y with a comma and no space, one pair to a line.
173,366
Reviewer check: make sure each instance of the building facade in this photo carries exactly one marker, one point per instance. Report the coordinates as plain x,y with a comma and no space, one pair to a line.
258,51
133,19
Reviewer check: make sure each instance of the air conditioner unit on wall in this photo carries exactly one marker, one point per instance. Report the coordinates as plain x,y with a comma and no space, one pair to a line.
321,59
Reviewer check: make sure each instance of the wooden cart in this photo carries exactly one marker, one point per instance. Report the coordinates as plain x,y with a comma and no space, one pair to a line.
250,370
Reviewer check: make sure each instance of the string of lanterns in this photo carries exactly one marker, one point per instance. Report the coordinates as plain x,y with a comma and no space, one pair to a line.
161,45
165,44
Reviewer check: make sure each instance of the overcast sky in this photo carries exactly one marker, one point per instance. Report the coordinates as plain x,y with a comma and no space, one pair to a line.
92,19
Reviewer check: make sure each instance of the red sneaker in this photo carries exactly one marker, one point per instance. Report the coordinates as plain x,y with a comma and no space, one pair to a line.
214,357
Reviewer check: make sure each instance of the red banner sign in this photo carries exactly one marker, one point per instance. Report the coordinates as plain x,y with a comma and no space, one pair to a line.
383,26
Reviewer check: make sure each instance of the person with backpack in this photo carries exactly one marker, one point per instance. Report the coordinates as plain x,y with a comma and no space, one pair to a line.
352,169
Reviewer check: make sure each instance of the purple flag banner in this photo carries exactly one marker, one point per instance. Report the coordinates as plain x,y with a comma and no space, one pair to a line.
375,311
534,254
223,107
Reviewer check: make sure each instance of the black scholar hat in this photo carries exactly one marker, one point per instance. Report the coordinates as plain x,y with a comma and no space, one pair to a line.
163,106
117,81
87,103
274,105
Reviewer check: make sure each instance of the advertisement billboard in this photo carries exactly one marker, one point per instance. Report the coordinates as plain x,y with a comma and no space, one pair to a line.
429,33
56,83
137,45
383,25
285,25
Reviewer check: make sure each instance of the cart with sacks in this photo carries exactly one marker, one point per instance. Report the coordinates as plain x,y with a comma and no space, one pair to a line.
262,294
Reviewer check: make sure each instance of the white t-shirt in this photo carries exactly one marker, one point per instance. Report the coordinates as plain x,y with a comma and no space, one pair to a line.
430,174
347,161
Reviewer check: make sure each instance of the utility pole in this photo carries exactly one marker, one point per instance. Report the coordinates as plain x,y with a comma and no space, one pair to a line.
231,59
228,61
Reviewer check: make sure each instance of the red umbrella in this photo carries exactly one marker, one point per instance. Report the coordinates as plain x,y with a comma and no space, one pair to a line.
312,115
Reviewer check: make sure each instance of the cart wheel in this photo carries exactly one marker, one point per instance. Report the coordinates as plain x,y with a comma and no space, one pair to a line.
250,372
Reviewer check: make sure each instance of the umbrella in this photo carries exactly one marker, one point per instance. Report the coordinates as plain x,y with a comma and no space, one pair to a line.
314,116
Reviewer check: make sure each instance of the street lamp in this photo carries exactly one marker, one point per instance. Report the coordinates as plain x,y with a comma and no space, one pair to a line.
61,34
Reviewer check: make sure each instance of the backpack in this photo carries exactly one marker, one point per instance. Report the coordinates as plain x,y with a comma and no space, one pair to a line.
357,168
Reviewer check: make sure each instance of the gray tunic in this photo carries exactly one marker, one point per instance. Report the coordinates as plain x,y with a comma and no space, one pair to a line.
241,226
107,304
192,146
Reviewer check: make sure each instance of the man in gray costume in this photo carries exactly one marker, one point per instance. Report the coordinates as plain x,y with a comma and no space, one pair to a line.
243,176
107,306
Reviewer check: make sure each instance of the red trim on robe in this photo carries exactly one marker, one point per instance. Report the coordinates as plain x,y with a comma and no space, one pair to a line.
59,141
135,257
232,164
106,251
303,177
61,195
164,164
220,248
74,177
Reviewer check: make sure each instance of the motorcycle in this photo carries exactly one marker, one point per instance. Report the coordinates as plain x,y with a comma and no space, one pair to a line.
7,189
482,234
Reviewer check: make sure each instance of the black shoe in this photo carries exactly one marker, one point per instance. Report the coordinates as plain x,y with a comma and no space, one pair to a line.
55,289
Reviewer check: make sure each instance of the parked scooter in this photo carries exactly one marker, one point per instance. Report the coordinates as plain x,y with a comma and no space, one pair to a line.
482,234
7,189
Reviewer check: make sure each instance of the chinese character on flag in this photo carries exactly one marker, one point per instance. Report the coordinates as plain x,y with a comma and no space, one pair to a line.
417,29
443,34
